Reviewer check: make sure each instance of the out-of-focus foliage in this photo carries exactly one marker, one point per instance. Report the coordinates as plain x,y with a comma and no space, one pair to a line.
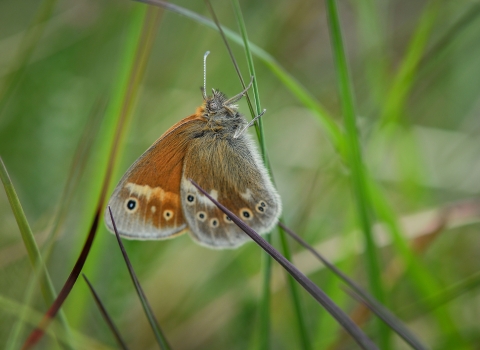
416,79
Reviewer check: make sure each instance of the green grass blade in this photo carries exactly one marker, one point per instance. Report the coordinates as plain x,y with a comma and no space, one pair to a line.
251,68
266,267
264,313
34,255
404,79
297,305
264,305
360,190
27,235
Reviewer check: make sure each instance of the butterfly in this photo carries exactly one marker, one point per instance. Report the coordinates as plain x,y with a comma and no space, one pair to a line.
156,200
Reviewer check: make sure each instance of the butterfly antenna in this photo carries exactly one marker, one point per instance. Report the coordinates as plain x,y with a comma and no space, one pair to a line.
240,132
205,75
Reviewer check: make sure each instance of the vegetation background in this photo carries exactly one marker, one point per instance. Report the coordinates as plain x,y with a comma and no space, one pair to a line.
415,75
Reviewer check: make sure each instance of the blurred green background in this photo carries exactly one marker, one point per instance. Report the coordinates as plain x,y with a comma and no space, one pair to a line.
415,69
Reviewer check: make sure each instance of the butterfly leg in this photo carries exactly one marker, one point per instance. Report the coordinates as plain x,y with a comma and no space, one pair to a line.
240,132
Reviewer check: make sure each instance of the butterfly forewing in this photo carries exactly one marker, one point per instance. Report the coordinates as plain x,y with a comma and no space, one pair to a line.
231,171
146,203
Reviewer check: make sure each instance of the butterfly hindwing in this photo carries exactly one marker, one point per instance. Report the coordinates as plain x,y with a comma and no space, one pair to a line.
146,202
231,171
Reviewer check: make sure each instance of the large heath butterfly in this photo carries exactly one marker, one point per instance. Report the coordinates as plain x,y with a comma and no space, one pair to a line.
156,200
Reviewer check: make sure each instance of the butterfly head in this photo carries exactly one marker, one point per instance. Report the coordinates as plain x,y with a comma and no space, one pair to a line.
218,105
222,112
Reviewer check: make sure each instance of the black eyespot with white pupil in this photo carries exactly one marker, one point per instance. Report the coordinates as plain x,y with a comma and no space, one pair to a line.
261,207
190,198
201,216
131,204
246,214
168,214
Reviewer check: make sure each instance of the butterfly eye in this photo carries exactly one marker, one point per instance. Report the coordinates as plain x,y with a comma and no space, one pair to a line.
168,214
246,213
190,198
131,205
213,105
214,222
201,216
227,219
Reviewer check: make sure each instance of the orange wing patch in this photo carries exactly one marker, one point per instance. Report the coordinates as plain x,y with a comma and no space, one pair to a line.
152,183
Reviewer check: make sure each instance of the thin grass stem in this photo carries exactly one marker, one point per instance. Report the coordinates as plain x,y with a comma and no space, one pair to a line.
266,266
362,199
121,343
157,331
